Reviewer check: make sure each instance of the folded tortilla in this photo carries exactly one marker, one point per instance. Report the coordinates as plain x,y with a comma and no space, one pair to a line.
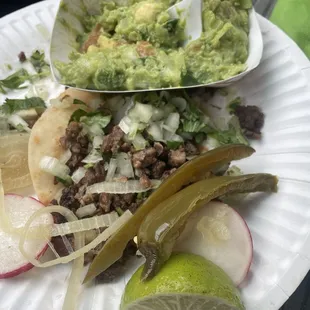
45,140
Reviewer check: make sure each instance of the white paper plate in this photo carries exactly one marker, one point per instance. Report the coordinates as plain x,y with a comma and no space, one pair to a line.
280,223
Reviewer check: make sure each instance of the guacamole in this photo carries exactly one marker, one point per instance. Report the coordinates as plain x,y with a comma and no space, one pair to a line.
135,44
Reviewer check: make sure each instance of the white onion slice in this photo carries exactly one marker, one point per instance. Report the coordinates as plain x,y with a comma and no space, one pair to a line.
66,259
88,224
131,186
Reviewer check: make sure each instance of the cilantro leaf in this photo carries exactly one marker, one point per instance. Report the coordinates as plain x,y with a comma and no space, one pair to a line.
98,118
11,106
76,116
15,80
174,145
37,59
77,101
233,135
91,118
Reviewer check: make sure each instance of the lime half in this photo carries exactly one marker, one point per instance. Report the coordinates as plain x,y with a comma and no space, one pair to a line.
185,282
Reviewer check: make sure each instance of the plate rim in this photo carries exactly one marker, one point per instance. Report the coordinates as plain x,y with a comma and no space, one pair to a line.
281,291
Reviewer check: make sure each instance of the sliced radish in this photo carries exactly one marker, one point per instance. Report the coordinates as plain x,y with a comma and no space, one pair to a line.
218,233
19,209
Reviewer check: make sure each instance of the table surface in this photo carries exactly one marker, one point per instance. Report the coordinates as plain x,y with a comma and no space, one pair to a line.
300,300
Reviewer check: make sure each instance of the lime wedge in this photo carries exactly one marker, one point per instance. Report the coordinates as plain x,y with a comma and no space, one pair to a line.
185,282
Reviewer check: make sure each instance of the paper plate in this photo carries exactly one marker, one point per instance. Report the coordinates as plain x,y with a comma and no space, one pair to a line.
280,223
63,40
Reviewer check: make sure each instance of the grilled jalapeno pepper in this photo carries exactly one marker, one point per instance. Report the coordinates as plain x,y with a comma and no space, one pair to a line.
163,225
194,170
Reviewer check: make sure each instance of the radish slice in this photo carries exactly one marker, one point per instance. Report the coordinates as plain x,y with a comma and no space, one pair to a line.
19,209
218,233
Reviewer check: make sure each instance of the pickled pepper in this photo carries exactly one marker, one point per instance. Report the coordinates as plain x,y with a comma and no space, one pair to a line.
164,224
193,170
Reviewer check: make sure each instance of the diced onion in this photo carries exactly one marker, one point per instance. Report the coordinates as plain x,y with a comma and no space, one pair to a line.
93,157
125,124
179,102
53,166
65,157
78,253
95,130
87,210
111,170
141,112
124,166
158,114
131,186
172,122
17,122
209,144
78,174
139,142
176,138
155,131
97,142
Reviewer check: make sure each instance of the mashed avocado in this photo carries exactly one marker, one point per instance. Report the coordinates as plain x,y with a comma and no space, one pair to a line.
138,46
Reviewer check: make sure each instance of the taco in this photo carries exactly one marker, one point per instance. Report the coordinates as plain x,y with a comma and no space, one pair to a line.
96,154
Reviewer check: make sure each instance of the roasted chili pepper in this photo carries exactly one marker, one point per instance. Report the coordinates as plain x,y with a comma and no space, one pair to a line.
164,224
194,170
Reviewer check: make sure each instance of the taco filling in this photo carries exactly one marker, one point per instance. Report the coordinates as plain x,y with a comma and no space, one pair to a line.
96,155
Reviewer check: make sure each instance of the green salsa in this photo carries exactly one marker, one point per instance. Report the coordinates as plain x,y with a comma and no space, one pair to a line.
138,46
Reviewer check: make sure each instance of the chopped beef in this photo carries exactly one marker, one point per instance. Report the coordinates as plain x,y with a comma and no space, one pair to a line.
134,206
77,143
158,169
123,201
100,172
73,130
144,158
88,199
22,57
167,173
129,198
145,181
58,218
105,201
68,199
119,267
112,141
31,122
177,157
251,120
146,171
164,154
191,148
75,161
125,147
159,148
60,246
94,174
